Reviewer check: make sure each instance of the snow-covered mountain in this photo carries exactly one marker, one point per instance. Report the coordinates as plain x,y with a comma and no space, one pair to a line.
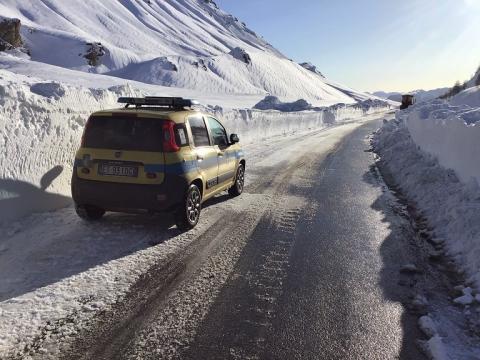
420,95
471,94
177,43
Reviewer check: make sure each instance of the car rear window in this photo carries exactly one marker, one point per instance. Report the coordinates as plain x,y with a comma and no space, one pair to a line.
124,133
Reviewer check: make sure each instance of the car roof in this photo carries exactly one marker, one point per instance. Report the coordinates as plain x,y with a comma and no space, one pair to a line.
178,116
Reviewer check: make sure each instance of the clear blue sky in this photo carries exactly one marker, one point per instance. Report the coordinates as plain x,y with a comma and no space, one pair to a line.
372,44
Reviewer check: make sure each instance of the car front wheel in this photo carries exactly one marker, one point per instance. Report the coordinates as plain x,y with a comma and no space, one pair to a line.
188,213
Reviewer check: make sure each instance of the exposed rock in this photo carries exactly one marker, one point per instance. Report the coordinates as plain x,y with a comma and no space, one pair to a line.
241,54
212,3
94,53
10,37
273,103
312,68
200,64
5,45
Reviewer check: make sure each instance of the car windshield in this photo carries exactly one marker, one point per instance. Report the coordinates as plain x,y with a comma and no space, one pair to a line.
124,133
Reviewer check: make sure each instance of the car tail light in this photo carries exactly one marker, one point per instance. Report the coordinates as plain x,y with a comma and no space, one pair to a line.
169,144
82,142
151,175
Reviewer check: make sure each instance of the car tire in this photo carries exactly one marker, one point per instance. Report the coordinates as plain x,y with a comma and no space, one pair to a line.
89,213
188,213
237,187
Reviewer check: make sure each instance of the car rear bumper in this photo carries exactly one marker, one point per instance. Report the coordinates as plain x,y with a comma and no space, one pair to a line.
129,197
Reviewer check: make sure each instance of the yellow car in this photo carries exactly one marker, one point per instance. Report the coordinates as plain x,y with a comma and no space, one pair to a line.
156,154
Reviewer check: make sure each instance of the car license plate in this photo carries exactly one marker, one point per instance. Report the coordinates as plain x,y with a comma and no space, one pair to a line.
117,170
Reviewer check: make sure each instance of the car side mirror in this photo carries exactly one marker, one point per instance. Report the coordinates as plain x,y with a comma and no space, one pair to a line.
234,138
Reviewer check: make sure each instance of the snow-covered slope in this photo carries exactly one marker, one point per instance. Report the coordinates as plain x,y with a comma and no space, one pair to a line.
475,80
470,96
179,43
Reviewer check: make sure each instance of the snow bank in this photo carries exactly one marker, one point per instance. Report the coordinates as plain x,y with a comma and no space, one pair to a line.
42,122
416,149
450,133
41,125
470,96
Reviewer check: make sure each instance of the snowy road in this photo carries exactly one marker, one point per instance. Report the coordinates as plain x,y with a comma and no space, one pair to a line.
303,265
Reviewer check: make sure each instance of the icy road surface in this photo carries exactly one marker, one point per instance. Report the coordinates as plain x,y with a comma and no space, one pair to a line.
304,265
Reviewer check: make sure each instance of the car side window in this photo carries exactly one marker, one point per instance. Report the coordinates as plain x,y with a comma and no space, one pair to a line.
219,135
199,131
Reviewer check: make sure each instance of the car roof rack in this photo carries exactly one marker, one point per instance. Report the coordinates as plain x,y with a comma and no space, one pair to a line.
176,103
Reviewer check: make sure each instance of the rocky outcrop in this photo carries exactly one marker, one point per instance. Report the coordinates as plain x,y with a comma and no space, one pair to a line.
10,37
94,53
271,102
241,54
312,68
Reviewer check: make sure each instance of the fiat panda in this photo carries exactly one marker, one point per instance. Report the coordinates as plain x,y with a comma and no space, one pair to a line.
156,154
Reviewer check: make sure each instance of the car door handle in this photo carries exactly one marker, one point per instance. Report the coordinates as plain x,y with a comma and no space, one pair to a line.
220,154
199,157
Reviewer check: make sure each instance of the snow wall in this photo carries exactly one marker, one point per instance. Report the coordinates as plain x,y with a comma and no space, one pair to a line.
42,125
450,133
431,150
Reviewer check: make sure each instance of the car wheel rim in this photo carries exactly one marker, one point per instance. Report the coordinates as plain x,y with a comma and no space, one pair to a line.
193,206
240,179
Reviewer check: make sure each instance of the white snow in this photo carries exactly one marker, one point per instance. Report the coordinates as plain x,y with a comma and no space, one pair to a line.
420,95
431,151
449,133
470,97
189,44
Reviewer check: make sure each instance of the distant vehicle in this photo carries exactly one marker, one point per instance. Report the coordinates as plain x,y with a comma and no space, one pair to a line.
407,100
156,154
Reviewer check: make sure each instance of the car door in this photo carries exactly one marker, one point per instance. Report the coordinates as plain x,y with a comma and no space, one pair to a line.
226,159
206,154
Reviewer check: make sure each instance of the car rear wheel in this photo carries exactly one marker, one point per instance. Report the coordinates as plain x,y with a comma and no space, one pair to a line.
188,213
237,187
88,212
